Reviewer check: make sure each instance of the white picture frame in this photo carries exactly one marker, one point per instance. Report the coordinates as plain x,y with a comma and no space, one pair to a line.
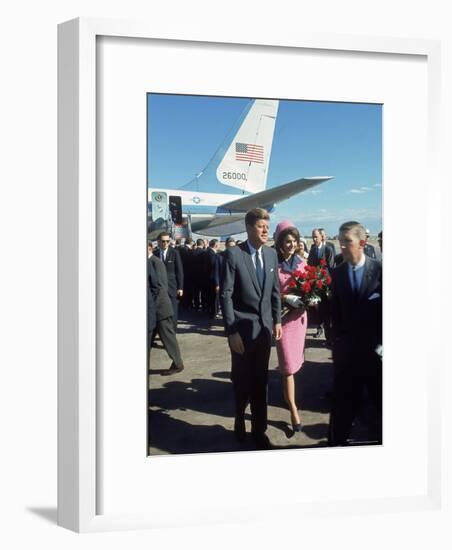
81,412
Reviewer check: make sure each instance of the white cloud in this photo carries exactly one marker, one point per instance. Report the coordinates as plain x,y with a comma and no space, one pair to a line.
323,216
363,189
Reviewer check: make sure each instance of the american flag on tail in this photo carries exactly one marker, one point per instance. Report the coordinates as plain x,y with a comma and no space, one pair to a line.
249,153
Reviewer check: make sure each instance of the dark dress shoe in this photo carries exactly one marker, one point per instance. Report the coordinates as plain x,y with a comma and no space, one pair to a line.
319,333
173,370
239,430
297,427
262,442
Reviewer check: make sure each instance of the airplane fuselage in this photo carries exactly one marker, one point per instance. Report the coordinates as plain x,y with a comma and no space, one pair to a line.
199,203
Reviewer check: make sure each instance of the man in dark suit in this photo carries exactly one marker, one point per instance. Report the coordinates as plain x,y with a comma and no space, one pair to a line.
199,293
160,312
174,270
318,252
369,249
357,328
251,306
210,272
218,274
186,256
325,242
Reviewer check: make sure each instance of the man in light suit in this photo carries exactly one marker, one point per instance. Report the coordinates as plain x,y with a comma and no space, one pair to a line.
251,305
174,270
357,329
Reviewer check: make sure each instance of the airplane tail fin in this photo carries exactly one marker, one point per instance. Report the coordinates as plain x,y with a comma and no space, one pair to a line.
242,162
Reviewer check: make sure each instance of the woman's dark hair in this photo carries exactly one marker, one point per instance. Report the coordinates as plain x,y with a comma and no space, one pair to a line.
292,231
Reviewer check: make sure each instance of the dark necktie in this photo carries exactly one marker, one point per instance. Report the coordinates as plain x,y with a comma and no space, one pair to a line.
259,270
355,281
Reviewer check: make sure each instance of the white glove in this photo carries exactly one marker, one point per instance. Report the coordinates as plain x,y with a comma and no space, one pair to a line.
293,300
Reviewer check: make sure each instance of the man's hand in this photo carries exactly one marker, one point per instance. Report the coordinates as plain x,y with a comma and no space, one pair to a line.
236,343
180,292
277,331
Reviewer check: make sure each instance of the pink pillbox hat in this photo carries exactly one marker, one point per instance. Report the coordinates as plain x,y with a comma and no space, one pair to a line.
280,227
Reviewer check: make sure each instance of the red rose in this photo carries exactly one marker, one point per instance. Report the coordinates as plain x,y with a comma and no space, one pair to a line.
323,272
319,284
322,261
328,280
306,287
292,284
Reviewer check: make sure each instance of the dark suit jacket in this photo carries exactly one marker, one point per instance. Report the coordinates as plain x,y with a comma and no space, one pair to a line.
218,273
369,250
174,270
158,283
338,259
210,259
186,256
333,248
152,296
326,253
198,267
357,319
246,308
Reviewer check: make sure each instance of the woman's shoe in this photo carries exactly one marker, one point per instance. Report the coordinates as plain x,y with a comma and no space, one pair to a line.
297,427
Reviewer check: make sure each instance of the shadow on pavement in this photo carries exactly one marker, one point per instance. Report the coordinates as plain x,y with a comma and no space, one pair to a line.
201,395
177,437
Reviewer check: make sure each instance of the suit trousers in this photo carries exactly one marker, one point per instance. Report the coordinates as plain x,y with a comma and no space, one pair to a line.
249,375
175,304
354,372
165,329
212,300
324,317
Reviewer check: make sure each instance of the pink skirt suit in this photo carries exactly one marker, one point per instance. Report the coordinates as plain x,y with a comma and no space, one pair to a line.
290,348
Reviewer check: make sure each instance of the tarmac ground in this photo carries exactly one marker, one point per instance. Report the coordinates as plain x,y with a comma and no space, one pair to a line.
193,411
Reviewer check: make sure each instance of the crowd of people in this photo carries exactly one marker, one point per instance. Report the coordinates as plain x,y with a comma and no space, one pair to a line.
248,283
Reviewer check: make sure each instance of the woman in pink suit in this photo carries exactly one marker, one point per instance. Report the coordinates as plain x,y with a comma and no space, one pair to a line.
290,347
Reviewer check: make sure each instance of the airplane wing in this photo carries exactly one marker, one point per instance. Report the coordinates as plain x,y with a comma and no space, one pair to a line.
200,224
268,197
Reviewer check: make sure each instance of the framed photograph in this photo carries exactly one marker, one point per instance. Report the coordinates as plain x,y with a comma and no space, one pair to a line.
108,479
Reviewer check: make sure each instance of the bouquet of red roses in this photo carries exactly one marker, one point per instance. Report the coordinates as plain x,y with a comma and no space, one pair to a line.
310,284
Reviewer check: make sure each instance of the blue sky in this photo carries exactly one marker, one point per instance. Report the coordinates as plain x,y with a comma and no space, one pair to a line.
311,138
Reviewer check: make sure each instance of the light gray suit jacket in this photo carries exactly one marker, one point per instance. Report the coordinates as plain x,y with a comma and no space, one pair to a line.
246,308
